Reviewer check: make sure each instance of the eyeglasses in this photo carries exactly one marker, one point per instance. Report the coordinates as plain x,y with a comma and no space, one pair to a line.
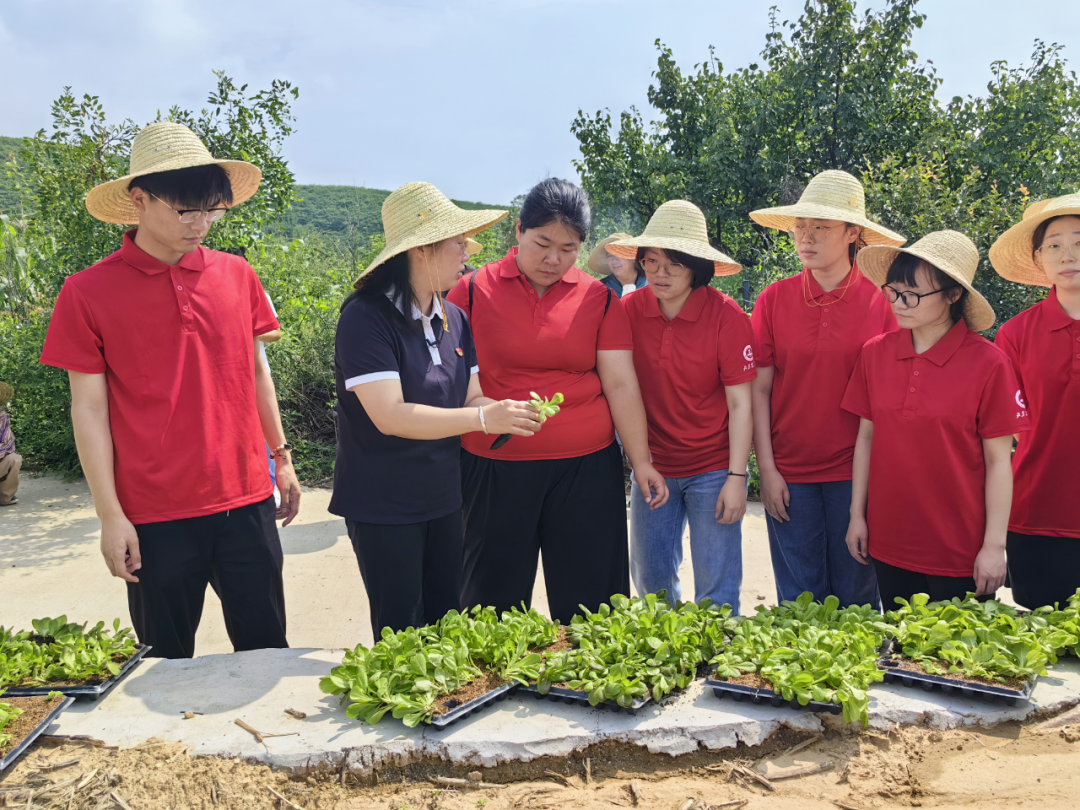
191,215
674,269
815,232
1055,251
910,299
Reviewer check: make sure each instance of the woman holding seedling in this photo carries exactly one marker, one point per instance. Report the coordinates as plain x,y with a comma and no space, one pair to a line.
810,328
407,388
938,406
1043,343
694,356
543,326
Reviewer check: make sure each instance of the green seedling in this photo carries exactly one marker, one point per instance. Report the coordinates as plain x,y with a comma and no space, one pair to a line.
546,407
61,652
7,714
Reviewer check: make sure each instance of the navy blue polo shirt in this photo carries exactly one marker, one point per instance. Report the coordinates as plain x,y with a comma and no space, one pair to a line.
387,479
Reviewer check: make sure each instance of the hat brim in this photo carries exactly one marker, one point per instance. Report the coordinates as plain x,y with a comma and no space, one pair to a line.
598,257
783,219
111,202
1012,254
875,260
460,223
723,265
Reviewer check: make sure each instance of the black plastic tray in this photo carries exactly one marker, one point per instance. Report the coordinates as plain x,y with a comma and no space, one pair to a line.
92,691
949,686
738,693
17,751
441,721
560,695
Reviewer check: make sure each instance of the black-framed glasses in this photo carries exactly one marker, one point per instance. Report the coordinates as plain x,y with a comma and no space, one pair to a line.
191,215
910,299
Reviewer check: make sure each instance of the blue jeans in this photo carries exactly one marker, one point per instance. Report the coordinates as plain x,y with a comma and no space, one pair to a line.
656,541
809,552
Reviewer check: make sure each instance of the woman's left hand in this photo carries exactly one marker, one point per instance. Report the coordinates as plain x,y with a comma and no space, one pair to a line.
731,505
652,485
990,569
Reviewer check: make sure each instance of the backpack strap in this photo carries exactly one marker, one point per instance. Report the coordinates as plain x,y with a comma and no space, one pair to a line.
472,283
608,302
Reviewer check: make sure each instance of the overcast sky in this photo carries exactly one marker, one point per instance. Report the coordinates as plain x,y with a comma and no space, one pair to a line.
474,96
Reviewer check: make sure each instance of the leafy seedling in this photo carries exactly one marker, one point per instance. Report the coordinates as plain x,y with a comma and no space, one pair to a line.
546,407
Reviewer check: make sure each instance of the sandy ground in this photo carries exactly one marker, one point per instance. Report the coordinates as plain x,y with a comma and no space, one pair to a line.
50,564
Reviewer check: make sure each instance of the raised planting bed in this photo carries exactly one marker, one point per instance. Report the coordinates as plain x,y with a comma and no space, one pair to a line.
23,720
58,655
760,693
900,670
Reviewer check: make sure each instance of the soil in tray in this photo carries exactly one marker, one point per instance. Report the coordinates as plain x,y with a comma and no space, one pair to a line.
487,682
751,679
1016,684
34,711
561,644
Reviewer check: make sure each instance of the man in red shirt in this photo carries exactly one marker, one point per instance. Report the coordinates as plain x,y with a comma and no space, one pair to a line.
171,402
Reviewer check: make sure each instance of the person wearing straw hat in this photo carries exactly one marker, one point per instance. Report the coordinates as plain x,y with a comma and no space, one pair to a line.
694,356
938,406
623,276
1043,343
10,461
810,328
542,325
172,405
408,387
472,247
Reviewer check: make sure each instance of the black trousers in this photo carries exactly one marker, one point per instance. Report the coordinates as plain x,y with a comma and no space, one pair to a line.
237,553
894,582
572,509
1043,570
412,571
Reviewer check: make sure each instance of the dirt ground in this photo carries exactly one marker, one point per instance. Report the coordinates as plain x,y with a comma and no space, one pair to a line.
1009,765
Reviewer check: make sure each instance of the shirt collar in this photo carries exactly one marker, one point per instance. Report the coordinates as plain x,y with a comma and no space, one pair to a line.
141,260
508,268
941,352
691,310
436,309
1056,317
854,278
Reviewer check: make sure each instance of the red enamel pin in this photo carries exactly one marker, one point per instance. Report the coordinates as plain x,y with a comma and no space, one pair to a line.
460,353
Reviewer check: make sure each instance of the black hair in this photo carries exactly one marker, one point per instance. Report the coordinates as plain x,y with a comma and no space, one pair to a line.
394,272
905,268
555,200
196,187
701,270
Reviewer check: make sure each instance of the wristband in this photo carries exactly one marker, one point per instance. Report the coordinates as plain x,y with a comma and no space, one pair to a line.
741,475
483,422
277,450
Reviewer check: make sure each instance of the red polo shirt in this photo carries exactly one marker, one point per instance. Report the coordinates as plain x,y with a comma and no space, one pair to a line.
682,367
176,345
812,338
926,509
1044,344
548,344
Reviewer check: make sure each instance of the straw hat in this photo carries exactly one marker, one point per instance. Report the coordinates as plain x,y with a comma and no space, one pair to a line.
1036,207
950,252
164,147
6,393
473,247
830,195
1011,254
418,214
598,257
677,225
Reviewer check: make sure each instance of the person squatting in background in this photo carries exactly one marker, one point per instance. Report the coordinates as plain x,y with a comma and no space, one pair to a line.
810,328
938,406
408,387
542,325
1043,343
10,461
694,356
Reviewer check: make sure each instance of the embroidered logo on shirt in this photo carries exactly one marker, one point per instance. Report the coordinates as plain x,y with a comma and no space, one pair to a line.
748,354
1023,405
460,353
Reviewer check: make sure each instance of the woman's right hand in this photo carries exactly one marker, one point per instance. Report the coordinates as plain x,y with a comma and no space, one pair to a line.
513,417
858,539
774,494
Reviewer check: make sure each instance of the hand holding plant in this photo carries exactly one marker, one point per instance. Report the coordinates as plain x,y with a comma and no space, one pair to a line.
545,408
512,418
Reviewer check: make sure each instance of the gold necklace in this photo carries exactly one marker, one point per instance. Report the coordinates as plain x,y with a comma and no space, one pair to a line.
808,296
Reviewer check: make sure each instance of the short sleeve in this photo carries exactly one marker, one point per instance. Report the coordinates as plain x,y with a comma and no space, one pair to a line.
737,347
73,341
263,317
367,350
857,395
1003,340
1002,407
763,334
468,345
614,334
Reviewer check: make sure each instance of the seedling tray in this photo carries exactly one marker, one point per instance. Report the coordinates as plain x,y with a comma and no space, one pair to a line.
28,740
496,695
83,690
739,692
575,696
949,686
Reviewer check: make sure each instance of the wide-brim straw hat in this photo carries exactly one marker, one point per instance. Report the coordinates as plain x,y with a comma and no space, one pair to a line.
6,393
165,147
473,247
830,195
1013,253
598,257
950,252
418,214
677,225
